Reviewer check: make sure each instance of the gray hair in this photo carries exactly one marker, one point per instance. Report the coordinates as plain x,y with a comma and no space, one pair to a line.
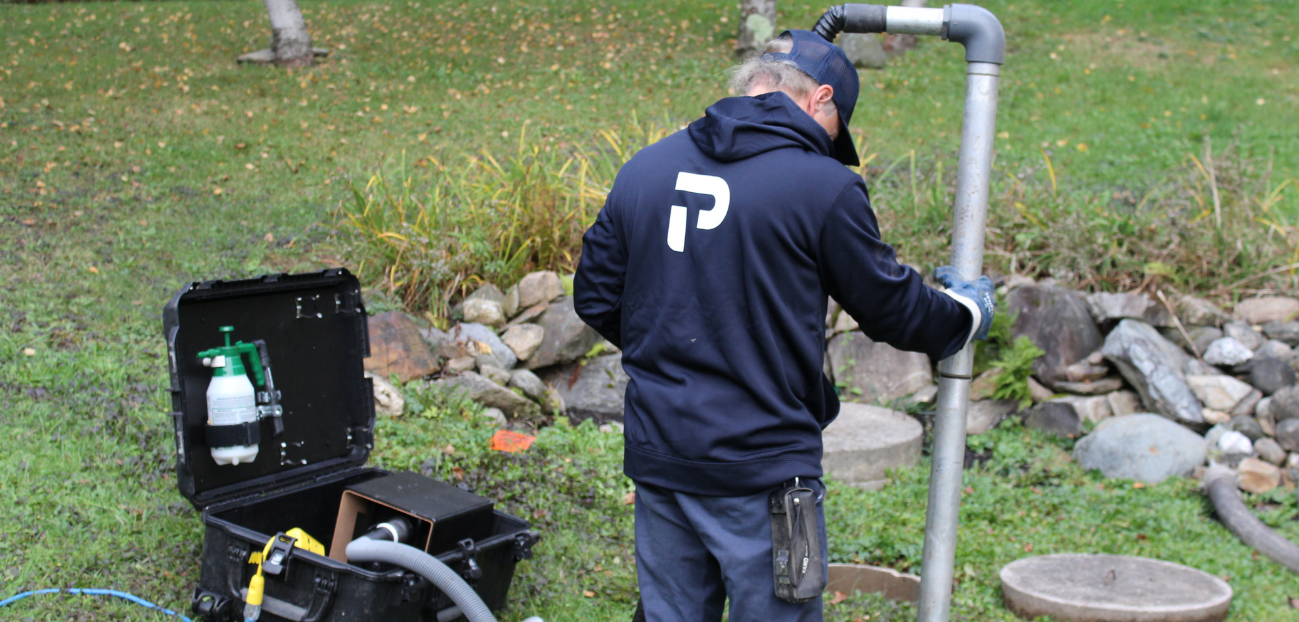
780,75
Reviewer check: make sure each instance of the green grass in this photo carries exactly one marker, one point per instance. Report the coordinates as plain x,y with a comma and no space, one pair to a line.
135,156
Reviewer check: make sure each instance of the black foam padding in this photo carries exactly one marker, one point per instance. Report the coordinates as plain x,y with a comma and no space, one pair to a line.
864,17
236,435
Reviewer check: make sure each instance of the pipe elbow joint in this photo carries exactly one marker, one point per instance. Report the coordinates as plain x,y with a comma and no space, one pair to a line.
978,30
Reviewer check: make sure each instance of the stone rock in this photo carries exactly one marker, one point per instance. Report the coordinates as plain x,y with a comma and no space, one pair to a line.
1285,332
496,416
887,582
1215,417
982,387
1054,417
434,337
926,395
864,50
1270,451
1094,588
1211,437
1231,442
1200,311
524,339
984,415
1287,434
527,315
1038,392
459,364
1203,336
1227,352
1099,387
567,336
486,292
599,392
844,323
476,340
1247,426
529,383
510,304
539,287
1124,403
1094,409
1285,404
1245,407
495,374
1057,321
1256,476
1244,333
1106,307
864,442
1267,309
397,348
1276,350
1218,392
1143,447
1196,367
611,427
1084,371
481,311
1152,365
488,393
874,371
388,399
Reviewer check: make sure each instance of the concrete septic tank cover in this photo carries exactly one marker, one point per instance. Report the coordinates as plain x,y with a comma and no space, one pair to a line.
865,441
1112,588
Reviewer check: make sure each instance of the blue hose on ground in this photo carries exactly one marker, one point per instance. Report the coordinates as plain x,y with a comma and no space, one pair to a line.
95,592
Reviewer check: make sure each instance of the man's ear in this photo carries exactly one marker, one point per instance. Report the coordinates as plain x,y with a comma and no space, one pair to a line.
822,95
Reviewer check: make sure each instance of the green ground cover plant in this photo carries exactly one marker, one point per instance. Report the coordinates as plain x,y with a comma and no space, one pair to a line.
136,156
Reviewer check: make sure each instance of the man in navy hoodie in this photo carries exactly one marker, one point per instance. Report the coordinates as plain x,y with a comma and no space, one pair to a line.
710,266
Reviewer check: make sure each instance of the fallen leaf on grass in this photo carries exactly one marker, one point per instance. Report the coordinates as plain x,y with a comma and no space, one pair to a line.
838,597
459,473
94,269
1294,602
629,499
512,442
1028,548
588,593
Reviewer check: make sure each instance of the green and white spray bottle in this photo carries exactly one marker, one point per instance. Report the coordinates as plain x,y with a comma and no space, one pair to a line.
233,432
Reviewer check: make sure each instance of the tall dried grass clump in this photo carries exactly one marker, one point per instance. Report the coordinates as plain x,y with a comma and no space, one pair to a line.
428,231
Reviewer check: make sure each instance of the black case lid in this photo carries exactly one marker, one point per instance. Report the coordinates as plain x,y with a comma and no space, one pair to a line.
314,326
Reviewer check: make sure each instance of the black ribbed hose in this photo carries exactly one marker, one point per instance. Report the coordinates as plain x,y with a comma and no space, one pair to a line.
850,18
1220,484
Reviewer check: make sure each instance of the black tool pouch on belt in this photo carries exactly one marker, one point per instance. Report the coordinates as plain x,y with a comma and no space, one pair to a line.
796,553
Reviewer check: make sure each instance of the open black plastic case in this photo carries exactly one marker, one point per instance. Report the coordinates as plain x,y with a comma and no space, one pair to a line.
314,326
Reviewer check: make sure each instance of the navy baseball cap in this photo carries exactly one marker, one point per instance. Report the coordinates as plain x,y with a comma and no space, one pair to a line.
827,64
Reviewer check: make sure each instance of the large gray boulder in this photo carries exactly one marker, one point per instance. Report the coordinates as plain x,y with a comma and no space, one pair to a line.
1268,309
1285,332
488,393
1054,417
1153,365
1057,321
984,415
1143,447
599,391
1270,375
567,337
875,372
477,340
1200,311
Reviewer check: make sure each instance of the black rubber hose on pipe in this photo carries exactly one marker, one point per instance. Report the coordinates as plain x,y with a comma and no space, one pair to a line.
1220,484
427,566
850,18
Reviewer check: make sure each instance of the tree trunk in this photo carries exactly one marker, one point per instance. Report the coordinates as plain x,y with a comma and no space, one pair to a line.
289,38
757,26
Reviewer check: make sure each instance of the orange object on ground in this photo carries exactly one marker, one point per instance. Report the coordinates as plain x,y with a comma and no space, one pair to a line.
513,442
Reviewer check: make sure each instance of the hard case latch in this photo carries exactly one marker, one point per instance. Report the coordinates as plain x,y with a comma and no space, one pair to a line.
470,552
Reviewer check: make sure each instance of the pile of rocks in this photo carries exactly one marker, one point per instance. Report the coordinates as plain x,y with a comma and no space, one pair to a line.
1167,391
520,352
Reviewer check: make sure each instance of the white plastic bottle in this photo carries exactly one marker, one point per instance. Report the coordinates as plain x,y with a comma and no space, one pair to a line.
231,400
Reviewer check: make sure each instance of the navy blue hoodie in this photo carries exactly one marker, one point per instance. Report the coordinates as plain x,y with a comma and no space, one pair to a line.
709,266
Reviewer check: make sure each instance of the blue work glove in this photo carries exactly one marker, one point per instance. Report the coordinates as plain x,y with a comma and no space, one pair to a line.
976,295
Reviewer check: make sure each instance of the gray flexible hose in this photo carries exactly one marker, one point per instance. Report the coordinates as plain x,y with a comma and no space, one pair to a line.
427,566
1220,483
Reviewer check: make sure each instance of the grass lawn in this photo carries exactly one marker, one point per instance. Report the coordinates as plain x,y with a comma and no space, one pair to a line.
135,156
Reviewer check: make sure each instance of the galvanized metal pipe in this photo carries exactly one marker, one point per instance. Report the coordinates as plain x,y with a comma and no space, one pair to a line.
905,20
948,451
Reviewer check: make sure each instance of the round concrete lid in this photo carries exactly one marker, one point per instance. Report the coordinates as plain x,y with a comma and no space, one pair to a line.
1112,588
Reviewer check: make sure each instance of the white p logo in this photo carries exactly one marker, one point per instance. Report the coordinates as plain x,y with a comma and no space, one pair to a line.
708,219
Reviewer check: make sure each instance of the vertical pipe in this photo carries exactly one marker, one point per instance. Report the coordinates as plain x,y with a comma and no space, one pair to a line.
948,453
